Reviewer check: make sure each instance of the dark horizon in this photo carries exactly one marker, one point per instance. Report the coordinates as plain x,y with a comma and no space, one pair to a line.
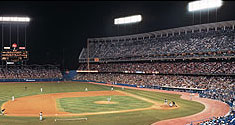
59,30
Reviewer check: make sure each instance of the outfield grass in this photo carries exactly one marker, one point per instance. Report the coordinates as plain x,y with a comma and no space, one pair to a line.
86,104
130,118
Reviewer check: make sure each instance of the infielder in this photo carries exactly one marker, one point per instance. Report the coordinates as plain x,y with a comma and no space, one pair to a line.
109,99
40,116
165,101
3,111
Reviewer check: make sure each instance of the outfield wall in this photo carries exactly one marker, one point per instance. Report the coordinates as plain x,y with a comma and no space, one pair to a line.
30,80
106,83
150,87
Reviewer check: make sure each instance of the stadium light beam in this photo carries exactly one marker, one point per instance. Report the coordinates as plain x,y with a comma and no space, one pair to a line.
204,4
14,19
128,19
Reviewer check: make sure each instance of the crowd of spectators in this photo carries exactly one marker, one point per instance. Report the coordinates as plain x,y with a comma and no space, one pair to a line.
201,82
29,73
222,120
166,67
211,41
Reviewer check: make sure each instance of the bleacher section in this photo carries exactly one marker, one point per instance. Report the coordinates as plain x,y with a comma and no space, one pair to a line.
30,73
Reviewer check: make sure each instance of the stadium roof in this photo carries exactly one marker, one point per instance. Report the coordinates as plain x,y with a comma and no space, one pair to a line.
168,31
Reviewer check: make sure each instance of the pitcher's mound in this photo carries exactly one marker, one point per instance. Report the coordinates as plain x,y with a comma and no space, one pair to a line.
105,102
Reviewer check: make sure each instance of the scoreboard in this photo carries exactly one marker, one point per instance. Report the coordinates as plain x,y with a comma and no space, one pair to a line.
14,55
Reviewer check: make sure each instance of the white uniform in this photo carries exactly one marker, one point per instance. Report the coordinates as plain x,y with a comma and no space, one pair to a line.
13,98
165,101
40,116
86,89
111,89
170,104
41,89
109,99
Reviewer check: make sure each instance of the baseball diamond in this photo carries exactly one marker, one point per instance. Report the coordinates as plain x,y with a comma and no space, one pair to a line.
117,62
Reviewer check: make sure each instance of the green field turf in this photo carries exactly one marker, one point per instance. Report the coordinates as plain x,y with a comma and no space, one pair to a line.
86,104
145,117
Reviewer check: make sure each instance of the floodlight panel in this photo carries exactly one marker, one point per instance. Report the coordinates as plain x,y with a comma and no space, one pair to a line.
204,4
129,19
14,19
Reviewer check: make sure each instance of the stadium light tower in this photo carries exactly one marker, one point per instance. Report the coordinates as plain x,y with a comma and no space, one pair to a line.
204,5
128,20
14,19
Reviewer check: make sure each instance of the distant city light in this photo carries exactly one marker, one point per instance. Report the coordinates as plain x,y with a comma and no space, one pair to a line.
129,19
14,19
204,4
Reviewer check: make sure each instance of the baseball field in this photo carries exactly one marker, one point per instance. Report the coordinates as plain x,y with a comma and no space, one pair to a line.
67,102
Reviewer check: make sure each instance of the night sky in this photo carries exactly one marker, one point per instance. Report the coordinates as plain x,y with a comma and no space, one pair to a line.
61,28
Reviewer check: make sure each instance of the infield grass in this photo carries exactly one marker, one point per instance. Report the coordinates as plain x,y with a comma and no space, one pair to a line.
87,104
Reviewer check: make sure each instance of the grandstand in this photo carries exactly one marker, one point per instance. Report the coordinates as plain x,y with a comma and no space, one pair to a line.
198,58
32,72
197,41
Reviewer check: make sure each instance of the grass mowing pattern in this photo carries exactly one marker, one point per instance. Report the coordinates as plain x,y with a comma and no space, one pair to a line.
7,90
86,104
131,118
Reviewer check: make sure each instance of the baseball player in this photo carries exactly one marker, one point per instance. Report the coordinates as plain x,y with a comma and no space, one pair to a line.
170,104
191,96
174,104
13,98
3,111
165,101
40,116
41,89
86,89
109,99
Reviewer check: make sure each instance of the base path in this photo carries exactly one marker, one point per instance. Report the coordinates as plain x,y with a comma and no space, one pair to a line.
213,108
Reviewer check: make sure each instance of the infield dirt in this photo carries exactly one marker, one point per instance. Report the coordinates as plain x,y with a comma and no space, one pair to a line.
46,103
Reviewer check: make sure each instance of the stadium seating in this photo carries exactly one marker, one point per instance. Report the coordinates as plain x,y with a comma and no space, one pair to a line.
33,72
223,120
218,67
173,46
